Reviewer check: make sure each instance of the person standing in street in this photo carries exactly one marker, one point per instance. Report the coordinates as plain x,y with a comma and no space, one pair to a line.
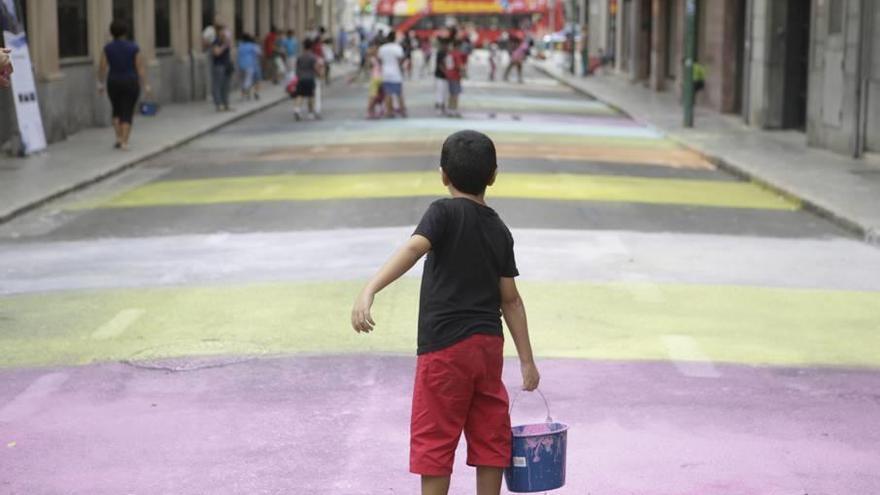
342,43
441,85
249,55
426,49
493,60
5,67
391,56
122,67
375,99
308,69
455,66
291,49
517,58
408,45
270,50
221,67
468,286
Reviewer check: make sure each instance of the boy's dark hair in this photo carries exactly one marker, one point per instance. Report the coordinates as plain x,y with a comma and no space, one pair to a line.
118,28
308,44
468,159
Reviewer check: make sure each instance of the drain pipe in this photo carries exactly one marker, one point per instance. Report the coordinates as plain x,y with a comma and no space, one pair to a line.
863,76
192,59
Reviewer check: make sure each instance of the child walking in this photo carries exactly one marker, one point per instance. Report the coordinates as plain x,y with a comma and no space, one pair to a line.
467,286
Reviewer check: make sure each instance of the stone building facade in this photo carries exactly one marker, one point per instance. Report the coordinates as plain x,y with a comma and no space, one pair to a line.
66,38
807,65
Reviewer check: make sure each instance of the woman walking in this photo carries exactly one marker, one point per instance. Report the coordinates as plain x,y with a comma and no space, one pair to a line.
123,68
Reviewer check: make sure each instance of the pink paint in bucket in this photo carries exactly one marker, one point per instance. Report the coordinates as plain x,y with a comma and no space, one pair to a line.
538,457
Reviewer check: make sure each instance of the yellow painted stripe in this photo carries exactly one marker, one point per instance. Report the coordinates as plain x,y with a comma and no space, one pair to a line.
738,324
571,187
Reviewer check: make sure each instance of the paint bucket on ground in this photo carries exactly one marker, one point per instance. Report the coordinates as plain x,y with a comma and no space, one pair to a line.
149,108
538,462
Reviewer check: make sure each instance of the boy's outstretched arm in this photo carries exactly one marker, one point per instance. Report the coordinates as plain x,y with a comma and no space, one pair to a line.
514,312
399,263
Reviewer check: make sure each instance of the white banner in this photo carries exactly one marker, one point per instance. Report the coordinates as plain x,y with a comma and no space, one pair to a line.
27,108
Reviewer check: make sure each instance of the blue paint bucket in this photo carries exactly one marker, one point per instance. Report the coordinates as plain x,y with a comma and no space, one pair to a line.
538,461
149,108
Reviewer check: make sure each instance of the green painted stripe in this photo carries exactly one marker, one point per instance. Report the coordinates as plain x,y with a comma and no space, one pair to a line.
748,325
569,187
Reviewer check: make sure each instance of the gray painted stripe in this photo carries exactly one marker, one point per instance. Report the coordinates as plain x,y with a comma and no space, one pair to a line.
369,213
344,254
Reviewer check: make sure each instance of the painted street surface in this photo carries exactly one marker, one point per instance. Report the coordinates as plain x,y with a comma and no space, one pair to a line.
183,328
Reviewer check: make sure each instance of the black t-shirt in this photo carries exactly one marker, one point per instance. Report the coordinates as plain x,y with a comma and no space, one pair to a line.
471,249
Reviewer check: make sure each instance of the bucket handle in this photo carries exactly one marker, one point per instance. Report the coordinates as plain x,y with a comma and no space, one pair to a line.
546,404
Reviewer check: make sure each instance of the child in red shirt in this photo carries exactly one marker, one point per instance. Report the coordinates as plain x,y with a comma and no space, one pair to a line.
467,286
456,62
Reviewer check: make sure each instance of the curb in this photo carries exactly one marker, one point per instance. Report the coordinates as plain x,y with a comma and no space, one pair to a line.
867,234
82,184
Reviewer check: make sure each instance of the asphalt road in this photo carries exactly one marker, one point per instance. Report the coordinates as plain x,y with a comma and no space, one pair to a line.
183,327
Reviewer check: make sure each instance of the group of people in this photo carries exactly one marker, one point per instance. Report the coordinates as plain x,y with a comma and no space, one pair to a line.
450,66
277,54
387,59
387,62
274,59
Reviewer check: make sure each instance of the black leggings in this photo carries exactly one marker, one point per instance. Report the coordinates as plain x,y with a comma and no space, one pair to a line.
123,97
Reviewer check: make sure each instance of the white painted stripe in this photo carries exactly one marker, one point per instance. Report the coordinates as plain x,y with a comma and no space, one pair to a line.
344,254
118,324
28,401
688,358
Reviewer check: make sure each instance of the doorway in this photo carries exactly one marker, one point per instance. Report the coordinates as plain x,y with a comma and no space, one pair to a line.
673,40
645,33
797,60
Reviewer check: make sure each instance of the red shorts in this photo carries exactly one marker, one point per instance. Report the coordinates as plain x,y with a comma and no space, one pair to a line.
460,388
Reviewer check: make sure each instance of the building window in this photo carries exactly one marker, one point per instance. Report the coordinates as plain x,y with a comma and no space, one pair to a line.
239,21
163,24
73,28
835,17
207,13
123,10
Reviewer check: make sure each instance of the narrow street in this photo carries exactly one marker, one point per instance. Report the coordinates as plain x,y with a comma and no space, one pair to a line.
183,327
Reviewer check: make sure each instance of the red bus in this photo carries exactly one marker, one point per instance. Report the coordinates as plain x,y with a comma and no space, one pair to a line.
488,19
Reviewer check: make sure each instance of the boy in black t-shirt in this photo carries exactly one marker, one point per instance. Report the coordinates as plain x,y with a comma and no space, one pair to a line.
467,285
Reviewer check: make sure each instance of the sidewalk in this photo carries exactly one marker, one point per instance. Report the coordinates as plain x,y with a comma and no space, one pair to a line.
88,156
835,186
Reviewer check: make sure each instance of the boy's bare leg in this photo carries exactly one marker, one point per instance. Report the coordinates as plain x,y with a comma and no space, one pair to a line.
402,104
117,128
435,485
489,480
389,105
